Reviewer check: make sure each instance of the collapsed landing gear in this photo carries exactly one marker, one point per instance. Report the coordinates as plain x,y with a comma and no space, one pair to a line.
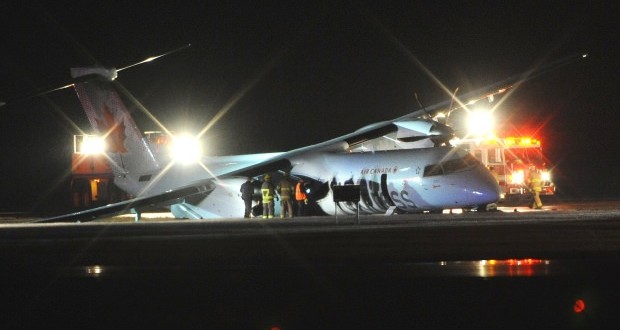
487,208
257,210
482,208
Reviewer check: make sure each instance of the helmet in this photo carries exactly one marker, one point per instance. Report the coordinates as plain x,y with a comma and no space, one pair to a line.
267,177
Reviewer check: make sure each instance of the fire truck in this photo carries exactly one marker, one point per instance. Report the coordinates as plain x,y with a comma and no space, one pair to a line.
510,159
92,180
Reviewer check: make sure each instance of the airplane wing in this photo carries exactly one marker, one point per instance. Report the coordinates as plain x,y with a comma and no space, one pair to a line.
281,161
136,203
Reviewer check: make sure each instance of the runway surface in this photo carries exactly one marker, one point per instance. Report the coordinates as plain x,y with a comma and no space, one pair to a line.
516,267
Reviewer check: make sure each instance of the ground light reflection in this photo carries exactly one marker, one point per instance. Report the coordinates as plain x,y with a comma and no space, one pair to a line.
526,267
512,267
94,271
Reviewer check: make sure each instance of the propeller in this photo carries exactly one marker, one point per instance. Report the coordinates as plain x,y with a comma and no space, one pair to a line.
493,89
109,73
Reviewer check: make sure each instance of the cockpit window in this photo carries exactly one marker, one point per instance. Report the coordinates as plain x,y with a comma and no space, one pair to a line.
451,166
432,170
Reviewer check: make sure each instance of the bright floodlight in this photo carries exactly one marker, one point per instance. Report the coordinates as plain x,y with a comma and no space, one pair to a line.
186,149
518,177
92,145
480,123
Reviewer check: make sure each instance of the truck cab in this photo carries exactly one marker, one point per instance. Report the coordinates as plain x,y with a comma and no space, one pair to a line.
92,179
510,159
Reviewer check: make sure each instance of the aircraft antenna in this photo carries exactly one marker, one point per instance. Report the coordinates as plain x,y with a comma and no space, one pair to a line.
451,103
421,106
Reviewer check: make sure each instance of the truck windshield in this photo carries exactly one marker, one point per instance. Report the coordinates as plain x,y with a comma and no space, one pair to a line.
524,156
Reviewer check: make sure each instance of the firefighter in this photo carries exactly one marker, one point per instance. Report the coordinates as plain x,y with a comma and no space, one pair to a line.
285,190
247,192
300,197
268,192
535,185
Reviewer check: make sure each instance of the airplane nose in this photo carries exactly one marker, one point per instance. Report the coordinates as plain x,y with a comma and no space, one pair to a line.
486,190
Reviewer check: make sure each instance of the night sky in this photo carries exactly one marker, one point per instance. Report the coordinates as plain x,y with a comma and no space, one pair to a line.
298,73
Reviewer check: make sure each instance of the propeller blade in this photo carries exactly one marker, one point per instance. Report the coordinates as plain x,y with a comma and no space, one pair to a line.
152,58
82,79
35,94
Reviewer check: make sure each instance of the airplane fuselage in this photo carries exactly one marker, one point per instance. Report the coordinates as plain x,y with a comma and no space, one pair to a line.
412,180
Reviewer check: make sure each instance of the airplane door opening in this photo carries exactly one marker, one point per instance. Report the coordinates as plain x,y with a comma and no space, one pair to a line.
384,191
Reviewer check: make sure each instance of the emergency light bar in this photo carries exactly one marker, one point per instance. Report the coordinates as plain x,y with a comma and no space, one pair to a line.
521,141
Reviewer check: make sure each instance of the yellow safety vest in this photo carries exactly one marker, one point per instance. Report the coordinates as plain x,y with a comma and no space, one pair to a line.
536,183
267,191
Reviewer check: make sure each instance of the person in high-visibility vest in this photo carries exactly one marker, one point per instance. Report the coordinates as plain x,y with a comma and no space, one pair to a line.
285,190
268,192
301,198
535,185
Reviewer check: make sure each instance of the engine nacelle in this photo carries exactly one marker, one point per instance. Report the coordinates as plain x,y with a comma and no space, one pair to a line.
422,131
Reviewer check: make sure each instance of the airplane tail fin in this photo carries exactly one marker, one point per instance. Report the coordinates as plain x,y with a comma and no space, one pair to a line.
128,150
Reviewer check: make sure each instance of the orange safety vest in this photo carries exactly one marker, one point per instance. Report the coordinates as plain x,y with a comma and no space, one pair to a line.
300,194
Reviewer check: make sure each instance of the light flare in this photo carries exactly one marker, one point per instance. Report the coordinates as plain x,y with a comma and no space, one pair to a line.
185,149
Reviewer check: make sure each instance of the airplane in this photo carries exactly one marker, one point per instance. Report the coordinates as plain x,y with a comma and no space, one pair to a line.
424,173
